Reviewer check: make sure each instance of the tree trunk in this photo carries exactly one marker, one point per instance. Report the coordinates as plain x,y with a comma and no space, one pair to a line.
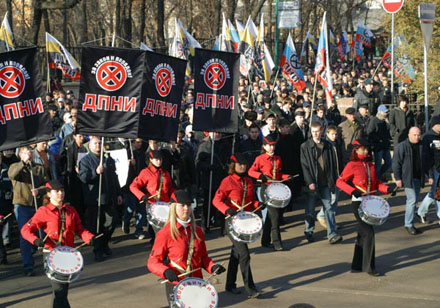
46,20
217,17
142,22
64,12
160,16
81,24
9,9
36,20
256,9
118,13
231,6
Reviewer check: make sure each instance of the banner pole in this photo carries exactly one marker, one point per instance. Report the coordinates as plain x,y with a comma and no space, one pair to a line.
251,87
210,182
313,99
131,148
375,71
35,197
392,58
100,185
273,83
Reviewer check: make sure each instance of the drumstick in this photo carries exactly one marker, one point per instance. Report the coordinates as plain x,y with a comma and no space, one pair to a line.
152,196
181,275
6,217
212,275
83,244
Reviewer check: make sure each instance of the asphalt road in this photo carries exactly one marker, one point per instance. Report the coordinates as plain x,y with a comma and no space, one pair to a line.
315,275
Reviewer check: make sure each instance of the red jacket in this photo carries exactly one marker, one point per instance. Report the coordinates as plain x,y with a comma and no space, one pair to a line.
356,172
264,164
149,180
49,219
177,251
232,188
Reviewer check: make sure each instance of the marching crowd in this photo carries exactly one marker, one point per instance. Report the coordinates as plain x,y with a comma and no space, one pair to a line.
284,135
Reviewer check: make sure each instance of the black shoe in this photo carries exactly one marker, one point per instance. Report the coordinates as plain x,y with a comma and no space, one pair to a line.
423,219
253,293
335,239
29,272
278,247
99,257
413,230
374,273
233,290
309,237
108,251
355,271
267,245
125,228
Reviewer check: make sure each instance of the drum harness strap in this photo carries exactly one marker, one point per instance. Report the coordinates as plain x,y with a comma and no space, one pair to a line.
243,198
63,225
190,251
274,169
369,178
160,186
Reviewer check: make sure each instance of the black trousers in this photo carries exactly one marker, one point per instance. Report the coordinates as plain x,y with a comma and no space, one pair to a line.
107,223
214,213
271,228
239,256
169,290
364,251
59,291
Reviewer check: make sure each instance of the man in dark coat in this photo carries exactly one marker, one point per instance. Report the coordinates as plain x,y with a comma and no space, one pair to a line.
300,132
401,119
90,170
251,147
368,97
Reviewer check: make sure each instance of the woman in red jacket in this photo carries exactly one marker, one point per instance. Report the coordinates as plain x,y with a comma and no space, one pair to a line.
173,243
239,189
267,167
49,218
154,180
360,172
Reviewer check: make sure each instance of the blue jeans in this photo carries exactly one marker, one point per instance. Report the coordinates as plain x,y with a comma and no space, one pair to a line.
323,194
382,168
412,197
430,198
132,205
23,214
335,196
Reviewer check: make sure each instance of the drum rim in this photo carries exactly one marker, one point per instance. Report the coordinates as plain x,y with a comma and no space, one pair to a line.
254,216
50,265
186,280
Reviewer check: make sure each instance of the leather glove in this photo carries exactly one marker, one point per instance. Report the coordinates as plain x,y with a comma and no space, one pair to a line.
145,199
218,269
39,243
170,275
263,178
261,206
356,194
2,221
231,212
392,189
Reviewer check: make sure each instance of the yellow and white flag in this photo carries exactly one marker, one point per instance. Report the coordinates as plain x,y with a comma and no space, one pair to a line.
6,36
264,63
59,58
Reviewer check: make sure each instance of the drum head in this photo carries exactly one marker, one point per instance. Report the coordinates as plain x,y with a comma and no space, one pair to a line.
246,223
194,293
374,206
65,260
160,210
278,191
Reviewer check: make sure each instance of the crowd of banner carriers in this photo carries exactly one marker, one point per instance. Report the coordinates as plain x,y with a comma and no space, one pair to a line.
192,110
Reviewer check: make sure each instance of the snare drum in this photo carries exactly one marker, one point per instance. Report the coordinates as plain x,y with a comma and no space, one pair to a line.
158,214
64,264
374,210
245,227
277,195
195,293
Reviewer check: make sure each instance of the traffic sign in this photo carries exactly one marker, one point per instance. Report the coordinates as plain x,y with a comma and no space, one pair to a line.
392,6
427,16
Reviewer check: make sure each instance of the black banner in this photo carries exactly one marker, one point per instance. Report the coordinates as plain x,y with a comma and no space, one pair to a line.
216,76
110,91
23,119
161,97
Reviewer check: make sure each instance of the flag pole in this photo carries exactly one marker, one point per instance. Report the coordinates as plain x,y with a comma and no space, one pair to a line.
375,71
274,80
210,182
313,98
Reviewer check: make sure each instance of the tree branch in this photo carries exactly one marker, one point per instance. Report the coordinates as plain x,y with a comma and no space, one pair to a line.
60,4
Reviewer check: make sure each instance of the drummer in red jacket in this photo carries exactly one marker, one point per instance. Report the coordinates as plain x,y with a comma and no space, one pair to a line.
267,167
172,247
154,180
360,172
49,218
237,190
